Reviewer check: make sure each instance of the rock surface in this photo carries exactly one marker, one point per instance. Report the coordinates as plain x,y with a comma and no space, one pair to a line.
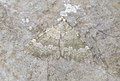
59,40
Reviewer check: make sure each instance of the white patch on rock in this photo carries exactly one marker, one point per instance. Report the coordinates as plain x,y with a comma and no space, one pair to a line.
25,20
30,27
86,47
60,19
33,40
36,44
69,8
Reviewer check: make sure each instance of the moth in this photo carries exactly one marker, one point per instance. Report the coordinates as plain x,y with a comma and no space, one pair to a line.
61,41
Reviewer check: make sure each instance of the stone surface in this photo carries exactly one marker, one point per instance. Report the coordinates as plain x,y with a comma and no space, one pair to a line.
59,40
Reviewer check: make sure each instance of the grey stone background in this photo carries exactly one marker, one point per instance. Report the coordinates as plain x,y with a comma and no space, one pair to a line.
59,40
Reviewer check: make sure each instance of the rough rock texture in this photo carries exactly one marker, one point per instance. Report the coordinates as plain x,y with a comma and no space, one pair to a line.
59,40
